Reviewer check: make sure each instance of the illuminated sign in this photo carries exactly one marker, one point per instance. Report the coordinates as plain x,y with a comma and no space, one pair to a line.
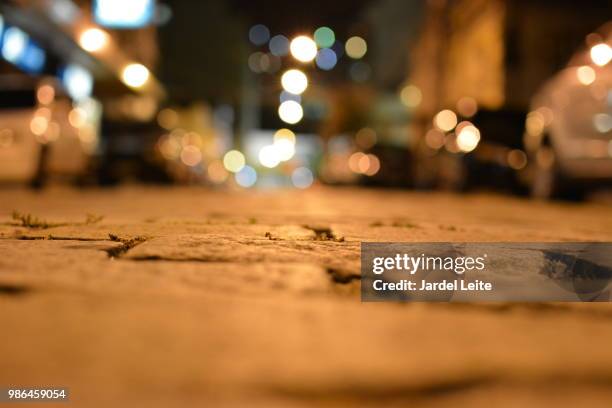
124,14
20,50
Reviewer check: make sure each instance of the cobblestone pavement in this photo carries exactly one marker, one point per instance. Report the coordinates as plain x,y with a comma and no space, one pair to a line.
185,297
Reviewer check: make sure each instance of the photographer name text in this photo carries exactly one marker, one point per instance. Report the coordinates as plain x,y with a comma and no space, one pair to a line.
424,285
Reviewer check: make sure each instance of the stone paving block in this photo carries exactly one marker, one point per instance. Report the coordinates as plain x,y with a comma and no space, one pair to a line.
229,299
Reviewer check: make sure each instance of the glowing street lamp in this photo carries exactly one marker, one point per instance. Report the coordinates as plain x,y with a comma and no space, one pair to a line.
468,138
290,112
601,54
294,81
93,39
303,48
135,75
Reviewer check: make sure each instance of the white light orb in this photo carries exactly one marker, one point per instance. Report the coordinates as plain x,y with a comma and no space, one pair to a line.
294,81
285,149
135,75
601,54
468,138
269,157
290,112
303,48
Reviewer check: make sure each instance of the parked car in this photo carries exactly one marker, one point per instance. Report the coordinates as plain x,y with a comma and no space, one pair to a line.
568,131
19,150
37,140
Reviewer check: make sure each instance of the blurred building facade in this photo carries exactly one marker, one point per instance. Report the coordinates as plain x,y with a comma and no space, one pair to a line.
76,71
496,51
473,71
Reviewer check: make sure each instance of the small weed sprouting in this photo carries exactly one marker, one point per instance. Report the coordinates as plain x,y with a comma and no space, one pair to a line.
30,221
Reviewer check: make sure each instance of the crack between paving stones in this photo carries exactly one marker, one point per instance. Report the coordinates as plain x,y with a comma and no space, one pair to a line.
115,252
126,245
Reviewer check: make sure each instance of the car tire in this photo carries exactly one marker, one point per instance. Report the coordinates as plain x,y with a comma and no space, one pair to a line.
544,183
549,183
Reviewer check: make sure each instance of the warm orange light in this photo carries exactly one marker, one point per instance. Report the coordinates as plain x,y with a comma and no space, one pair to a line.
45,94
93,39
586,75
445,120
135,75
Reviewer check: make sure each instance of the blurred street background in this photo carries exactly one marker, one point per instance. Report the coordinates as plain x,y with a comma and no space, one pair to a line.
485,95
184,186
